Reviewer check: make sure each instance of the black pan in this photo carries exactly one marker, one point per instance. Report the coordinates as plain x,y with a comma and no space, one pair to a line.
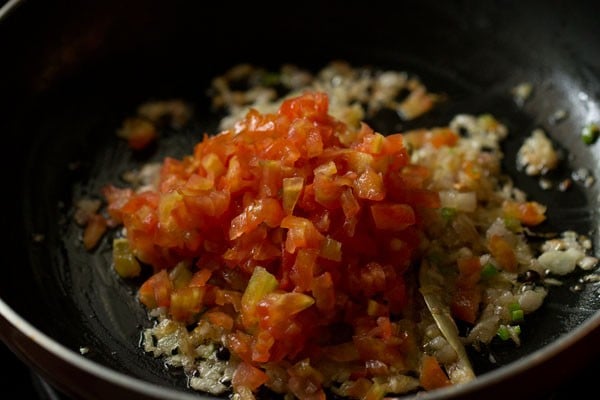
71,71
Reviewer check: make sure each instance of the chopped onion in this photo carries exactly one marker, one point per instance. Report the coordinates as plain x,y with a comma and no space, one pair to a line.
462,201
561,262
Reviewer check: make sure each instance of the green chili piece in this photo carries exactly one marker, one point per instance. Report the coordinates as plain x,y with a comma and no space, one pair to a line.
590,133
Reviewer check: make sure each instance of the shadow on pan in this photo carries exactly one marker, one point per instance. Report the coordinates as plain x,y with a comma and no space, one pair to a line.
71,73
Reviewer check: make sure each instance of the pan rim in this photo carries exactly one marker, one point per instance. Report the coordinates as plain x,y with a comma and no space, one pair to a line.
93,368
139,386
8,7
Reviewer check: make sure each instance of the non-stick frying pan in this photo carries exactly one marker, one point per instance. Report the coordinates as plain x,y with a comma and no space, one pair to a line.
71,71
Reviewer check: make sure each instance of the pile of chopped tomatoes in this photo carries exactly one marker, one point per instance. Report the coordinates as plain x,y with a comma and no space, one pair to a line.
293,233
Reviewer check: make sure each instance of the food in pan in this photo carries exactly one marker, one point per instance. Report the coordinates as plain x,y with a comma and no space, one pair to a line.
300,251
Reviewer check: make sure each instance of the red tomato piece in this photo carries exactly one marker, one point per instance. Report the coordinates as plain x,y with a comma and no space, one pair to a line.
390,216
432,375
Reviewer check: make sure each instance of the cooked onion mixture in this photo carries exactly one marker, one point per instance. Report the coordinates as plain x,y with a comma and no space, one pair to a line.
300,251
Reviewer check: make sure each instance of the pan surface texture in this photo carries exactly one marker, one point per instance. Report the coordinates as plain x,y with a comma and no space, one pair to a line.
72,72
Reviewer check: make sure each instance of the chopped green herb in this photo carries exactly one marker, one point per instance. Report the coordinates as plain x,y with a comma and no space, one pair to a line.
514,306
503,332
590,133
270,79
513,224
506,332
448,213
517,315
434,257
488,270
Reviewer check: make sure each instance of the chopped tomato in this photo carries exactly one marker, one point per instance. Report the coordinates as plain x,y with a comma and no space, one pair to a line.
138,132
311,107
117,198
281,231
443,137
432,375
369,185
95,228
185,302
266,210
323,292
219,318
469,271
529,213
156,291
391,351
302,273
438,137
305,381
276,309
292,188
261,283
468,295
503,252
465,304
301,234
392,216
248,376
